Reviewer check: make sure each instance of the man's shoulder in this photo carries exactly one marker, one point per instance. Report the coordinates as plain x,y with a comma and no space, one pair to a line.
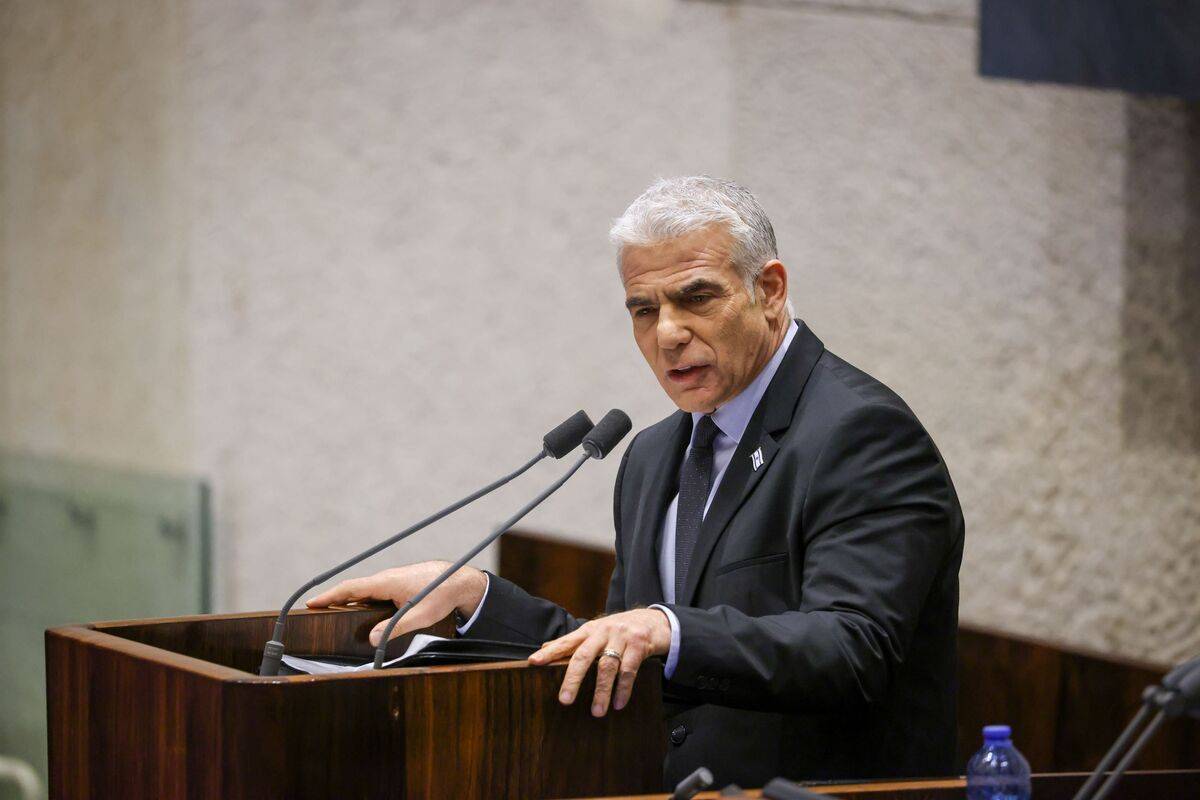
837,375
837,390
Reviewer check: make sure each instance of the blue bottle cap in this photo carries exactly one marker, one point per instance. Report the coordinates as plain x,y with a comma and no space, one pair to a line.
996,733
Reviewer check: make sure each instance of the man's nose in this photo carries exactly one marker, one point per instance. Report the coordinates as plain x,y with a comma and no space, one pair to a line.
672,332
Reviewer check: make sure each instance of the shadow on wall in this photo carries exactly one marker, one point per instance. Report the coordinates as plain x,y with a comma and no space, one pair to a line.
1160,321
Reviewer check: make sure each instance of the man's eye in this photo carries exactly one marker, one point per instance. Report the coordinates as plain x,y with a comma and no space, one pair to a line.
644,311
696,299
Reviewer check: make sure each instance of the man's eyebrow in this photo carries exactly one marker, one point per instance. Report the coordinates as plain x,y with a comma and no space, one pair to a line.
699,285
637,301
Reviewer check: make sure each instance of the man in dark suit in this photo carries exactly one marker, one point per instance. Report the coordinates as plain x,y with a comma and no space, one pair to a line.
788,541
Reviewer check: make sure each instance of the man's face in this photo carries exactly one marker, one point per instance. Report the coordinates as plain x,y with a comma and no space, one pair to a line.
695,323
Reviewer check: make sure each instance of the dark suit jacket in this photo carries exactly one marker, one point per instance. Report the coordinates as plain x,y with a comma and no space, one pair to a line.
818,622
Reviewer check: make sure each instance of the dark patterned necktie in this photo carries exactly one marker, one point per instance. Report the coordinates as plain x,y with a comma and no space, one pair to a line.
695,480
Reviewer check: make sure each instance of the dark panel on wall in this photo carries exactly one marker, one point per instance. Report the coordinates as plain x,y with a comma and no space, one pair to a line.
1148,46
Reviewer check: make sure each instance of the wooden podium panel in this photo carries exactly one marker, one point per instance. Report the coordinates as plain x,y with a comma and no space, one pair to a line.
172,708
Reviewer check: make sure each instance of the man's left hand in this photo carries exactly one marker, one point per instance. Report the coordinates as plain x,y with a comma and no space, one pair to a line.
636,635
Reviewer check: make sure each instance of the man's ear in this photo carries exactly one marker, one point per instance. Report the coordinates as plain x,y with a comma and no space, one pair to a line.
772,288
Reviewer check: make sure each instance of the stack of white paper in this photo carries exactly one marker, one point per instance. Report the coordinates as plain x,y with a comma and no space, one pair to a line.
314,667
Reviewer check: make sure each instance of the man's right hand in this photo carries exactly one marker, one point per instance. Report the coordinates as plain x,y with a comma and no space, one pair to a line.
462,591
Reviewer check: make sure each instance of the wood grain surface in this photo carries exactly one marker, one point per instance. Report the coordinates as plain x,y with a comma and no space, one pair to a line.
171,709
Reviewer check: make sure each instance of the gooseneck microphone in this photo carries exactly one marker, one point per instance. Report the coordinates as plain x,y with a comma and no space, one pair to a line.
693,784
565,437
598,443
1178,694
611,429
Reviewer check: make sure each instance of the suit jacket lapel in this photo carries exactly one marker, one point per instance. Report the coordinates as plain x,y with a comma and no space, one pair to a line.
773,416
662,485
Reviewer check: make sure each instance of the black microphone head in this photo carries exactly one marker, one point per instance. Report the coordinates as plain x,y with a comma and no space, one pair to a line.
567,435
610,430
1180,691
690,786
1172,679
1189,687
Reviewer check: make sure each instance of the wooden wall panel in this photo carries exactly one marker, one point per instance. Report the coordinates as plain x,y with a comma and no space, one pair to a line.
574,576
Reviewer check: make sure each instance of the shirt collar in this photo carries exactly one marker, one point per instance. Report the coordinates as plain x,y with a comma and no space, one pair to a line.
733,417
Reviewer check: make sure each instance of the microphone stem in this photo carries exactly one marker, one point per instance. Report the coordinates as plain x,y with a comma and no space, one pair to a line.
1117,748
474,551
273,652
1130,756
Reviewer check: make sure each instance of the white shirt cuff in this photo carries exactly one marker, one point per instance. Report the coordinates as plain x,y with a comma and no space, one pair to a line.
466,626
673,653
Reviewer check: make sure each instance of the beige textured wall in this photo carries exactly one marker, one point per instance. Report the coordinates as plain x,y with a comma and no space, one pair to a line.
343,261
92,336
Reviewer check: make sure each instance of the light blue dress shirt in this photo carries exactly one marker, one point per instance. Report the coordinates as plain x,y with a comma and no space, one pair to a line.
732,419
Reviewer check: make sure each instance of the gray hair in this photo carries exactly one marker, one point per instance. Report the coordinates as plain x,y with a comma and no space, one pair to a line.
674,207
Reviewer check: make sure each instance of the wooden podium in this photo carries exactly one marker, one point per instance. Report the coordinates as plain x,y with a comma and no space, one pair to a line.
172,708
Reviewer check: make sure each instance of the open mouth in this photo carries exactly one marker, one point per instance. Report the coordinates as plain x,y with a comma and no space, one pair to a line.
687,374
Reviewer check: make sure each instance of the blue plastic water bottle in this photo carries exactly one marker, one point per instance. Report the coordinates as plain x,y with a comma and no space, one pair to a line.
998,771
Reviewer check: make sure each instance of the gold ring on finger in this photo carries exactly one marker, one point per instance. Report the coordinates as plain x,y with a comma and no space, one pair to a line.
610,653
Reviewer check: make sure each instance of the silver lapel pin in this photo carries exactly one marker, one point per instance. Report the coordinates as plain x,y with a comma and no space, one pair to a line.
756,459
